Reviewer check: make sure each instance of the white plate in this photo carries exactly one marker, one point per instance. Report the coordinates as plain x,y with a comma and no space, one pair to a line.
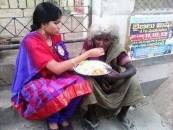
93,68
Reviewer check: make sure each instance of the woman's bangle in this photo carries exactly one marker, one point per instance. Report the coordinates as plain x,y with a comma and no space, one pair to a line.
73,63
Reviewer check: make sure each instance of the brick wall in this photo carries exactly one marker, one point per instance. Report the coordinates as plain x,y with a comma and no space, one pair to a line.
15,13
16,18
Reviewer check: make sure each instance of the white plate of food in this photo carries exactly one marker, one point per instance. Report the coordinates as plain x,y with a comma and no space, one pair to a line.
93,68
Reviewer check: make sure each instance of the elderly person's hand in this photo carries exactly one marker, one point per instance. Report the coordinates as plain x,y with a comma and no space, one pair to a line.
112,77
106,80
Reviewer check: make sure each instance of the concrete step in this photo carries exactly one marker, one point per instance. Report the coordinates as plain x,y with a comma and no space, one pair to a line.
10,120
7,66
5,101
151,72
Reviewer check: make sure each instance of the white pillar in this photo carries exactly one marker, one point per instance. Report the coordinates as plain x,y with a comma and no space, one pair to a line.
116,10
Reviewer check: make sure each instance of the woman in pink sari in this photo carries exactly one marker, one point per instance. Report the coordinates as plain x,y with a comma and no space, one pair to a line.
44,86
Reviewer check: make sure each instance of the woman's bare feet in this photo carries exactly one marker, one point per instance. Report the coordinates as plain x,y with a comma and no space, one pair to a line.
53,126
65,124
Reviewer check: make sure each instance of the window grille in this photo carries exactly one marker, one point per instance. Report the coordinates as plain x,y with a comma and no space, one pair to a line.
142,5
75,21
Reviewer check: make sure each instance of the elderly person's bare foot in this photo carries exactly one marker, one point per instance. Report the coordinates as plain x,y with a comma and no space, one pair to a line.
127,124
123,120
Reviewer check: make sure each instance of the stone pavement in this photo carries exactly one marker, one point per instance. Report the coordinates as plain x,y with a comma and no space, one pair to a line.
162,100
143,116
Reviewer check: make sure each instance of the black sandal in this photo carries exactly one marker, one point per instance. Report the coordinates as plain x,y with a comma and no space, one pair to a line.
88,125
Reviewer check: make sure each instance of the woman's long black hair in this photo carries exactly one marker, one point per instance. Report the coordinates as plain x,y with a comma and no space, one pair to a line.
43,13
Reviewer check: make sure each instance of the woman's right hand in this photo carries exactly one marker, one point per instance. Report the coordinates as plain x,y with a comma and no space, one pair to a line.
95,52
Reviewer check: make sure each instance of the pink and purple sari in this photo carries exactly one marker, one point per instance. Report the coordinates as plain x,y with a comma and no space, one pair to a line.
38,93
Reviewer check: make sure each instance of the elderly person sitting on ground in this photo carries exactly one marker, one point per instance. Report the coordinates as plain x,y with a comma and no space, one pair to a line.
118,90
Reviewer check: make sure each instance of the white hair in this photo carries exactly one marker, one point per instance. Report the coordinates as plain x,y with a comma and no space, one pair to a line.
103,26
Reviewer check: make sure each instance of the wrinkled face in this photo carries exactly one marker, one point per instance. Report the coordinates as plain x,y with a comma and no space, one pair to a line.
103,41
52,27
